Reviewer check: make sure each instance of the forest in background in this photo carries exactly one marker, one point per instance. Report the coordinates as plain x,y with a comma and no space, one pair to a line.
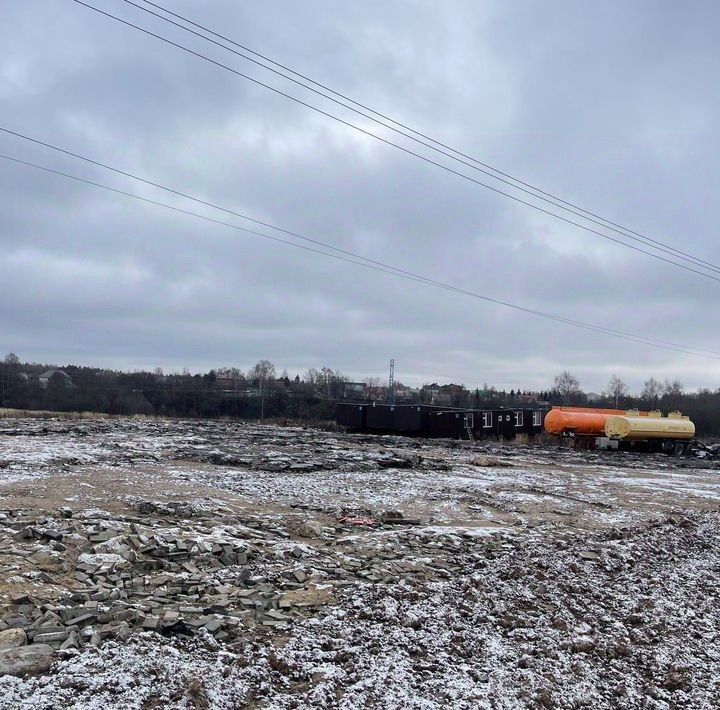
263,393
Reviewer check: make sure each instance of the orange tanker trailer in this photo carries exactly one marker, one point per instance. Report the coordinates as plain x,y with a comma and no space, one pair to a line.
580,421
617,428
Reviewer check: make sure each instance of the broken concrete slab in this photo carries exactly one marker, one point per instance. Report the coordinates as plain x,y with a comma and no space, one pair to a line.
12,638
26,660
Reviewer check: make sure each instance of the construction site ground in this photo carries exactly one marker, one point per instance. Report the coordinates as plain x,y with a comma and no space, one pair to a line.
190,564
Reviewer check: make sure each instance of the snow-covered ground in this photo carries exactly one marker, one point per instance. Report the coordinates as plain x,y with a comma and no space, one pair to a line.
519,577
536,627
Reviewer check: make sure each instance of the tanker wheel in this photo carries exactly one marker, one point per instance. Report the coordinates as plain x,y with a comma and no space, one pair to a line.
679,449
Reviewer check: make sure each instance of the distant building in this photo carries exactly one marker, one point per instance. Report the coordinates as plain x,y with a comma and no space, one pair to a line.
441,398
58,375
444,395
352,390
529,397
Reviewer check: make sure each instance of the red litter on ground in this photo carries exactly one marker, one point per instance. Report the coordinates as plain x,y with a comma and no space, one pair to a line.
357,520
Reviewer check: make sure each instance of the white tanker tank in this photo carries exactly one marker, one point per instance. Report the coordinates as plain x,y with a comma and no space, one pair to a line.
674,427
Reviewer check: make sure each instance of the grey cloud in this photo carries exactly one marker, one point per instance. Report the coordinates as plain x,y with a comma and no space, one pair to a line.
611,106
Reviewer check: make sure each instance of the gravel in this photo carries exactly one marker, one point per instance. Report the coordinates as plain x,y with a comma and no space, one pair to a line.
530,578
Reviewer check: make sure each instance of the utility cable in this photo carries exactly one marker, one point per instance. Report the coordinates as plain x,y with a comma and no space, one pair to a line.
420,137
359,260
251,219
662,248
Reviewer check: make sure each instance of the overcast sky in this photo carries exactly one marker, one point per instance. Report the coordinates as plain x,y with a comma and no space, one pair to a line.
613,106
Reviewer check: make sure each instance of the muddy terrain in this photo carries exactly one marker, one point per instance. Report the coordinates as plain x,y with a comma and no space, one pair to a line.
170,564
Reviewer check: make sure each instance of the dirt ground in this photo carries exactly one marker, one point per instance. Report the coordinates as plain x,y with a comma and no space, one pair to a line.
242,565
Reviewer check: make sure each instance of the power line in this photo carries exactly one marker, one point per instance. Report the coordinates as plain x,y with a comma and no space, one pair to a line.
359,260
183,194
418,136
661,247
370,262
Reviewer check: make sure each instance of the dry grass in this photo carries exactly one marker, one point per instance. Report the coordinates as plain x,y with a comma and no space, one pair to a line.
6,413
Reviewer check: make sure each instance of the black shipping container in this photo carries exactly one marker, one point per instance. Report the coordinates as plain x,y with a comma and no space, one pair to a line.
446,424
443,422
533,421
505,423
351,416
409,418
380,417
484,424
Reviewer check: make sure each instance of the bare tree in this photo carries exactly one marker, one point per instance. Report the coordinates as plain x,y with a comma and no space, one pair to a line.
652,389
326,379
674,389
567,385
11,365
673,393
616,389
313,376
262,372
373,387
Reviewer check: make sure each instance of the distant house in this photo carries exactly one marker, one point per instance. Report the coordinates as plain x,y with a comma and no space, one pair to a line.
58,375
441,398
230,379
404,393
352,390
443,395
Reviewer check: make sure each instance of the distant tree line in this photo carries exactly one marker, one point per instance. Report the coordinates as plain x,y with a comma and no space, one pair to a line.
262,393
229,392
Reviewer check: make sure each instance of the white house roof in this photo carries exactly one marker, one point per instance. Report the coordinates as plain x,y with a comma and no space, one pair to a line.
49,373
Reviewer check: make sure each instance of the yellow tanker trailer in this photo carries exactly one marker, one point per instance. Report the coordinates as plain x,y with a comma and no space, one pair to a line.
669,433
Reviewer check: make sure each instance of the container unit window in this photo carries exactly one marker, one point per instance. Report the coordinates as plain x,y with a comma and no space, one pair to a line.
518,418
487,420
537,418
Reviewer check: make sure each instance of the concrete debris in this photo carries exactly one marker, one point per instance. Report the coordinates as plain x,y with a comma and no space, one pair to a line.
310,529
26,660
395,517
12,638
491,462
128,573
297,568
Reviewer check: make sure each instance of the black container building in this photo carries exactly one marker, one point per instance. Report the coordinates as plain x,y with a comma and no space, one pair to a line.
409,419
508,423
380,418
534,419
446,424
441,422
351,416
424,419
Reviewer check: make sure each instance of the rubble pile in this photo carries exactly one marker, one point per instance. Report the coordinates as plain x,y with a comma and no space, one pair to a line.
123,574
253,446
213,565
95,578
625,618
